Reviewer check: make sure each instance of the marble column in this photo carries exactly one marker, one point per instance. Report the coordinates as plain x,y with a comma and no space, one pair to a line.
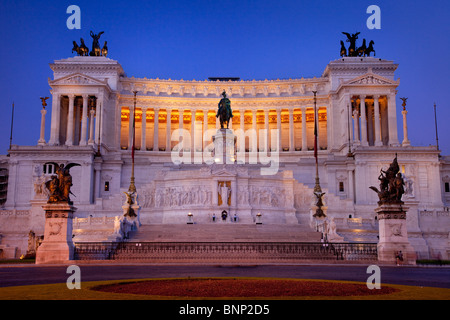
193,115
55,122
356,125
70,115
242,127
255,149
376,111
98,120
41,140
168,129
291,129
279,148
156,130
363,120
143,129
392,120
83,138
91,127
180,127
205,127
266,126
304,137
405,142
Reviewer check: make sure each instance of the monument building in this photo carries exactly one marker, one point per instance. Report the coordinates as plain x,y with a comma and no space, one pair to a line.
346,119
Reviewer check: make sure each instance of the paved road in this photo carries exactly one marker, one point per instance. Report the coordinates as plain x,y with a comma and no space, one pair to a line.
15,275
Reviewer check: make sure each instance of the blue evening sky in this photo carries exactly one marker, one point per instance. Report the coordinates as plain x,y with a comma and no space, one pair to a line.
198,39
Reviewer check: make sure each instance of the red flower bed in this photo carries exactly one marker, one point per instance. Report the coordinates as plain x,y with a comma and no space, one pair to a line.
215,288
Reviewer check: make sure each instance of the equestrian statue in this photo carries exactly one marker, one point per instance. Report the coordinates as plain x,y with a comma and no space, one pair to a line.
224,112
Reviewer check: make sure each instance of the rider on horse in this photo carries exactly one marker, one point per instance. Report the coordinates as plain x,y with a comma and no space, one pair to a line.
224,105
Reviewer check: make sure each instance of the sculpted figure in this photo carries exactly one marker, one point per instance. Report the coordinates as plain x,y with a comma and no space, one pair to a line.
352,39
391,184
96,51
224,112
59,185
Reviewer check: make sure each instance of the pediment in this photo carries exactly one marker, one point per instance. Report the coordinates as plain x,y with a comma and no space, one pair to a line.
372,79
223,171
78,79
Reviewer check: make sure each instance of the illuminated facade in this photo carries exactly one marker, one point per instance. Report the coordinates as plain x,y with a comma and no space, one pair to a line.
91,120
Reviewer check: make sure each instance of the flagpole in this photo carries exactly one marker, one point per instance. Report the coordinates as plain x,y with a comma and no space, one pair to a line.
12,123
317,187
435,125
132,187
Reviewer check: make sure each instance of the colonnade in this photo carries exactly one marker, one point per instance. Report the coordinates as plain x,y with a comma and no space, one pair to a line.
201,125
373,125
88,112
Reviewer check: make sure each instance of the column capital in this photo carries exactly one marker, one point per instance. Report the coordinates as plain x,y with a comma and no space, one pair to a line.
376,96
71,96
144,109
362,96
85,95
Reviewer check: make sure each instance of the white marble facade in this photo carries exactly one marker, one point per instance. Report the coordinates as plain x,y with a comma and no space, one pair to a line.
92,108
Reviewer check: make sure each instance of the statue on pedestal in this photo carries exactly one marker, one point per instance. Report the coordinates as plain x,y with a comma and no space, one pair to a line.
59,185
391,184
224,112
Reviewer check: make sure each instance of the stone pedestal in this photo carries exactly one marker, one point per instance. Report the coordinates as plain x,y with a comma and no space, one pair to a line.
393,234
224,146
57,246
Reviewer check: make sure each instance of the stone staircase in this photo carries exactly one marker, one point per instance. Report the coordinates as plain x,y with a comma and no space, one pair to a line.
224,232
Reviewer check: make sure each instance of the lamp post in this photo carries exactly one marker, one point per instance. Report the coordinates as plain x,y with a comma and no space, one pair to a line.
132,188
317,189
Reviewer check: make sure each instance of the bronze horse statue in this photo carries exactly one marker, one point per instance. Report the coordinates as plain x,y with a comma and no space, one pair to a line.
343,49
361,50
369,49
105,50
224,112
84,51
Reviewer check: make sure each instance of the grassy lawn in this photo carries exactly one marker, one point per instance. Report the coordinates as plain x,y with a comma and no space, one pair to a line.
61,292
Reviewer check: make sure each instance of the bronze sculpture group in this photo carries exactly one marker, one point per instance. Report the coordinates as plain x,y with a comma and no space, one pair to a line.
391,185
59,185
83,50
353,51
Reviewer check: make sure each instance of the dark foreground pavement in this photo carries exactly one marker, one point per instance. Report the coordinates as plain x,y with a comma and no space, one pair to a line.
18,275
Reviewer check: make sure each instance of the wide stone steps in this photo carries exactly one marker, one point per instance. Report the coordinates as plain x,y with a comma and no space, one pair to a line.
224,232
